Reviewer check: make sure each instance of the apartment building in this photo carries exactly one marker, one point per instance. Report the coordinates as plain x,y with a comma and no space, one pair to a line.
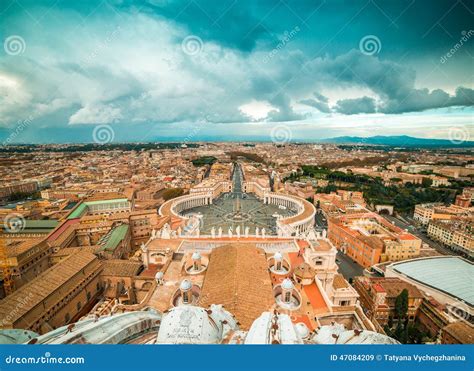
424,213
378,297
370,239
457,235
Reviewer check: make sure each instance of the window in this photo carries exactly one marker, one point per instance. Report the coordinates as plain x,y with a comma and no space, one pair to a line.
67,318
78,305
88,296
185,297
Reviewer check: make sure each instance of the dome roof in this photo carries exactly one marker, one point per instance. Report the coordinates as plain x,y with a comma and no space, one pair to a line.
159,275
337,334
278,256
16,336
195,325
287,284
196,255
115,329
304,271
261,331
302,330
185,285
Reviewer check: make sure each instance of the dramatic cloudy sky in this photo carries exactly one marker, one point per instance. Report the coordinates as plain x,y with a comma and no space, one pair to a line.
235,69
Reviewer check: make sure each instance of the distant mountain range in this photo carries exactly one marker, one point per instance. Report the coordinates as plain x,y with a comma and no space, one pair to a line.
398,141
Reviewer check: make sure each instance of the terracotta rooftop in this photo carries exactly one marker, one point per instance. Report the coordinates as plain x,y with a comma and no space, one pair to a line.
105,196
238,278
308,210
339,282
36,291
121,268
61,228
394,286
16,247
461,331
66,251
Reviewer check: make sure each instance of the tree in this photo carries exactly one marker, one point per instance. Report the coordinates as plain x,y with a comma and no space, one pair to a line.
426,182
390,321
170,193
401,304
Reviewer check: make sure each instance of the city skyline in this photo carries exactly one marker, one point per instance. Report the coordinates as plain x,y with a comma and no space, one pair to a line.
194,71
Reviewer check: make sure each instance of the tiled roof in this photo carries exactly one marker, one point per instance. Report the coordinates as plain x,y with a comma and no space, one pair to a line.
16,247
339,282
461,331
34,292
107,196
60,229
238,278
121,268
66,251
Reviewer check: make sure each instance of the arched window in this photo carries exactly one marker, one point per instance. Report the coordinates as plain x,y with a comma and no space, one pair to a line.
186,297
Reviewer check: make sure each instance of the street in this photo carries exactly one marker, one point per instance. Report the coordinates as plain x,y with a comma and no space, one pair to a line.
413,230
347,267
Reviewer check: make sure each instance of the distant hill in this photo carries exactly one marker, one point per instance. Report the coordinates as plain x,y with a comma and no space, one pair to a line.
397,141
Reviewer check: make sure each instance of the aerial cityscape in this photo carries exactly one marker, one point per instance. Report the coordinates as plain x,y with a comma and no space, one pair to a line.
258,242
237,172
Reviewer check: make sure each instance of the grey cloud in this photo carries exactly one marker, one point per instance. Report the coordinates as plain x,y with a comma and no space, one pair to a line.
392,82
320,97
355,106
320,103
285,112
321,106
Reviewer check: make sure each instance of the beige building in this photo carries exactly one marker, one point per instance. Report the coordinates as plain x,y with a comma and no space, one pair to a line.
58,296
27,258
457,235
402,249
424,213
